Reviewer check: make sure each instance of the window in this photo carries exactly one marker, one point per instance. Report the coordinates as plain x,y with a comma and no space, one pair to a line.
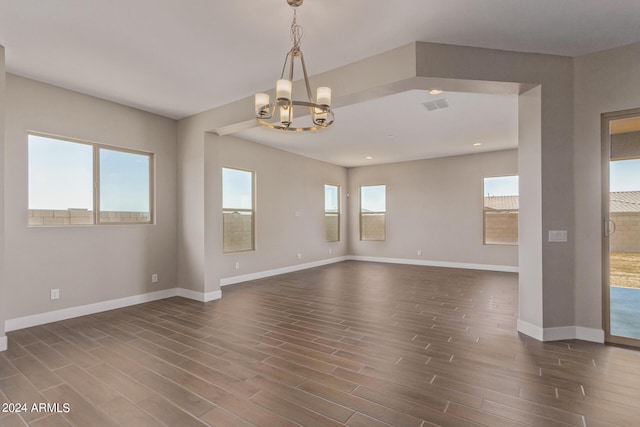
70,180
237,210
501,210
373,212
332,212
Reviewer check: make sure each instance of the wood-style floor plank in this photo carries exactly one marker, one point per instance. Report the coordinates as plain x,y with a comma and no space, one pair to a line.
129,415
352,343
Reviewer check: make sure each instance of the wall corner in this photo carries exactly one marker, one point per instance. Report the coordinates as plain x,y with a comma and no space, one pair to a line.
3,307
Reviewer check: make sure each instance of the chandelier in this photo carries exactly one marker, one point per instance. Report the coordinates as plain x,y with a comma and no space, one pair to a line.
284,105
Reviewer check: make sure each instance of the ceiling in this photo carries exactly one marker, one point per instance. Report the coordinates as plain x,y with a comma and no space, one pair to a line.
177,58
398,128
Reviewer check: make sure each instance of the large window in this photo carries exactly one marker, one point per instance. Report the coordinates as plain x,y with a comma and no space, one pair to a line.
332,212
501,210
71,181
237,210
373,206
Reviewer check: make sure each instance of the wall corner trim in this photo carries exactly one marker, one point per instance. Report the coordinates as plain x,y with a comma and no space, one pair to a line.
428,263
199,296
561,333
531,330
3,343
83,310
290,269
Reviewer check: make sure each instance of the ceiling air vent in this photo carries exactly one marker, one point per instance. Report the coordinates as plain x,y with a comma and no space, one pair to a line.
438,104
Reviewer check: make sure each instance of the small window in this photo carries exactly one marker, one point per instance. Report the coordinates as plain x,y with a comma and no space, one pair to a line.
237,210
501,210
69,181
332,212
373,212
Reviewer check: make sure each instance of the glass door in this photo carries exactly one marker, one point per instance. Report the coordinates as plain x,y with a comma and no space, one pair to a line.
622,228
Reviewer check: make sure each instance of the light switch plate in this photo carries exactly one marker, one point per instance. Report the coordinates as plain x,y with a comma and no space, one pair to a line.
557,235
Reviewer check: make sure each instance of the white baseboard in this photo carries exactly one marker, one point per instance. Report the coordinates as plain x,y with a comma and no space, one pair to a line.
468,266
83,310
268,273
530,330
199,296
3,343
561,333
590,334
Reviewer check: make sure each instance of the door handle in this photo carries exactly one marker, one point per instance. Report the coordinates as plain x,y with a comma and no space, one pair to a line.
609,227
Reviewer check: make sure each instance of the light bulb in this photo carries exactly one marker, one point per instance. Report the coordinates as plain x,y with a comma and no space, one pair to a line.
261,100
324,96
283,90
286,115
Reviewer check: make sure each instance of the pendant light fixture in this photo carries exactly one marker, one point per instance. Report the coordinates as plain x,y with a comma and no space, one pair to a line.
284,107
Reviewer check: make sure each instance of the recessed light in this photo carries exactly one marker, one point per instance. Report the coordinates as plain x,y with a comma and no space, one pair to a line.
477,144
435,91
368,158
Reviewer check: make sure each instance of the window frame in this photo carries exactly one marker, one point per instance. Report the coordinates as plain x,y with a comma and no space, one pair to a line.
362,237
336,213
252,210
96,147
484,212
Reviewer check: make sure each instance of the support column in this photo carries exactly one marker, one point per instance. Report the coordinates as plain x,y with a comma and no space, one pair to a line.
530,319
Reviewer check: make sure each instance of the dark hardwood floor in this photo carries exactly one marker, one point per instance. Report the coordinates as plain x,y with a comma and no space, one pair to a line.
354,343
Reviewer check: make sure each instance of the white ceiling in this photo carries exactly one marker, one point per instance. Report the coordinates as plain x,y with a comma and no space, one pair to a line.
181,57
398,128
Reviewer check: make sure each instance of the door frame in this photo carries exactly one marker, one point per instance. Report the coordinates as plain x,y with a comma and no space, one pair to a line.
606,119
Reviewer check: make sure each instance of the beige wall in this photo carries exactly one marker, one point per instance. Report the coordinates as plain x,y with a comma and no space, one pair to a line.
482,68
546,163
198,140
558,162
531,306
191,214
87,263
285,184
435,206
3,292
604,82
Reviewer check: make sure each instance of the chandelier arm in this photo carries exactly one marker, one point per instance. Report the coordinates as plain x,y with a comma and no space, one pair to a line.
292,54
306,82
284,66
306,78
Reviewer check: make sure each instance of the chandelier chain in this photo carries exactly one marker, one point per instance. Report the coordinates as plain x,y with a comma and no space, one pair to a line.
296,31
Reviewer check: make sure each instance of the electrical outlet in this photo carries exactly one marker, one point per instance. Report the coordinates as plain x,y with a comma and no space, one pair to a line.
299,256
55,293
419,251
237,266
330,251
154,278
